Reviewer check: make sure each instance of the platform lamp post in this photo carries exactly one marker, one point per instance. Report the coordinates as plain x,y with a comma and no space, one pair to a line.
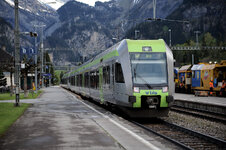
17,52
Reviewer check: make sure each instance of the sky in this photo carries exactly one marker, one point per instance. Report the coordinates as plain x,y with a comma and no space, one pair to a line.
91,2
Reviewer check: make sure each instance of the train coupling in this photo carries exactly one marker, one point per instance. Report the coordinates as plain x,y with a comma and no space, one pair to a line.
152,102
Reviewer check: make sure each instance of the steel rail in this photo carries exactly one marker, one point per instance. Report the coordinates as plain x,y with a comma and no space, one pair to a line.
187,132
201,114
163,136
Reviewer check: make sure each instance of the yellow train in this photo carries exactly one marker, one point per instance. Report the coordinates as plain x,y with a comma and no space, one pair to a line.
197,77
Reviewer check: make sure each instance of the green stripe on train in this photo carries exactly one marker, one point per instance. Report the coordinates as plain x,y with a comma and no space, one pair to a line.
163,102
97,61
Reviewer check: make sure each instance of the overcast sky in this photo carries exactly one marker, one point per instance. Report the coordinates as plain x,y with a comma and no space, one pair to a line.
91,2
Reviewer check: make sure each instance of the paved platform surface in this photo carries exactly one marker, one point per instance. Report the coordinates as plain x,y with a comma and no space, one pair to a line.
58,120
219,101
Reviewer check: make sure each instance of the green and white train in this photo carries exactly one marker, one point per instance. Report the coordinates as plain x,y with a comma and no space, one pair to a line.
135,75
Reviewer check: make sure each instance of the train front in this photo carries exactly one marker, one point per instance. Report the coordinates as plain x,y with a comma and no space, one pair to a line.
152,78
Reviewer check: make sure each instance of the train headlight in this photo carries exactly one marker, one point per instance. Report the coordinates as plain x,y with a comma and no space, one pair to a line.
136,89
164,89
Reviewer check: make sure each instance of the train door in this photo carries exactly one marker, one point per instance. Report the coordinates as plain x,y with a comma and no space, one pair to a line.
119,85
112,83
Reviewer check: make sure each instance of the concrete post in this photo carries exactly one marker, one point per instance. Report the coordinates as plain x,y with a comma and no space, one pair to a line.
17,53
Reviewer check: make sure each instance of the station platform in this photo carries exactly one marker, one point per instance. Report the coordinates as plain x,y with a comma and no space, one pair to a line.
59,120
210,103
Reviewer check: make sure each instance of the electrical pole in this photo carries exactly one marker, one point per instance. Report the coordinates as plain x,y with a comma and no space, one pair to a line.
197,44
17,53
170,44
36,62
197,37
154,9
192,59
136,34
42,55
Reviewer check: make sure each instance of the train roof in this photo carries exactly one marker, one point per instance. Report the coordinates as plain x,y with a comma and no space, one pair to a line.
208,67
185,68
197,67
133,46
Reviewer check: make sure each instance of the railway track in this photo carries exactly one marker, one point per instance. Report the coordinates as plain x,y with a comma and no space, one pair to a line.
183,137
201,114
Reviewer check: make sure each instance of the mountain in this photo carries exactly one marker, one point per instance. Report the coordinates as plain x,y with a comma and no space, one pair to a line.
7,35
31,12
89,30
204,16
56,4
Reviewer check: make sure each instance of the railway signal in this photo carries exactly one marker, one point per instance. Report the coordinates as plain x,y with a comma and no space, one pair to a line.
33,34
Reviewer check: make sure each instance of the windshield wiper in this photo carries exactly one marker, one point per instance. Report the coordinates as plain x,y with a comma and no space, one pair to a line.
146,83
134,72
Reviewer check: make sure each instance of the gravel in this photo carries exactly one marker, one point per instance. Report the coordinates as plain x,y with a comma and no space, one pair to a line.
204,126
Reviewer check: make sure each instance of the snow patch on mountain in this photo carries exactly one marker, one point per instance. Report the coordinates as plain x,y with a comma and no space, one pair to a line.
55,4
11,3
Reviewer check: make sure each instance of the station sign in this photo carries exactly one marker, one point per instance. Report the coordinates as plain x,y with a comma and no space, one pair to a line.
27,51
47,75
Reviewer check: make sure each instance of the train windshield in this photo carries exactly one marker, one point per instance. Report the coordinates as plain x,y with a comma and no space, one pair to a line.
149,68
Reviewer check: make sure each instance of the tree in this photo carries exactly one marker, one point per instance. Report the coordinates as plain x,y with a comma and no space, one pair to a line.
61,76
55,80
209,40
3,81
29,67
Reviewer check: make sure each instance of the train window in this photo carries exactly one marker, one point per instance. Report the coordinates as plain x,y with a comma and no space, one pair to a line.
86,79
92,79
73,80
80,80
149,68
189,75
97,79
70,80
118,73
106,75
113,74
77,80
